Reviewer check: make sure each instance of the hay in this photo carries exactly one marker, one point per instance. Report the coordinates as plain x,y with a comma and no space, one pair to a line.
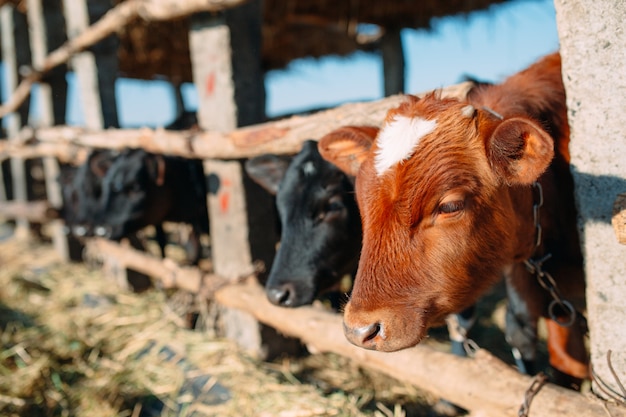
75,344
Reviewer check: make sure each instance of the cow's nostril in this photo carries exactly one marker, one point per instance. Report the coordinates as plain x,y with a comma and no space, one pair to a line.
368,333
283,295
365,336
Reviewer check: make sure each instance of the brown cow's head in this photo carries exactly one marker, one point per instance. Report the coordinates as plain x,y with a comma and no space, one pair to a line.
438,221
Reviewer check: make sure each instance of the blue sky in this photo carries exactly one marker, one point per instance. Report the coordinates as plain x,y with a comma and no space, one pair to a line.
487,45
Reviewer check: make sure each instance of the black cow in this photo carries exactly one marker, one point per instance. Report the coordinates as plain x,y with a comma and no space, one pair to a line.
82,189
142,188
321,226
321,233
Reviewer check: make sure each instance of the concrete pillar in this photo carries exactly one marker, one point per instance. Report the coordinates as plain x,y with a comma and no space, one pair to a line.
593,46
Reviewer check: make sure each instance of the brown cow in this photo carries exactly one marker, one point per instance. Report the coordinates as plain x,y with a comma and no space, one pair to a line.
447,192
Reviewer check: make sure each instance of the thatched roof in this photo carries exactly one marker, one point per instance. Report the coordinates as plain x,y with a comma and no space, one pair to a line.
291,29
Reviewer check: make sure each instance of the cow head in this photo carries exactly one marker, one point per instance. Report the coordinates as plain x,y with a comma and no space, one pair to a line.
82,189
320,224
438,221
133,194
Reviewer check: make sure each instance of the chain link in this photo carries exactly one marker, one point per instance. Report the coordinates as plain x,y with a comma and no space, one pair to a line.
536,208
538,381
560,310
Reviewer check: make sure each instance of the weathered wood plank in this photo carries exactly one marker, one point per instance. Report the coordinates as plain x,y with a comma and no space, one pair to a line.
33,211
107,25
483,384
11,62
284,136
84,65
53,96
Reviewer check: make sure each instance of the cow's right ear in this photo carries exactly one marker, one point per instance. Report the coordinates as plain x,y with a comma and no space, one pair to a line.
347,147
268,170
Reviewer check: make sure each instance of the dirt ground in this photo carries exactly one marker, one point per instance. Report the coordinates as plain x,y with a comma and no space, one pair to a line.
75,344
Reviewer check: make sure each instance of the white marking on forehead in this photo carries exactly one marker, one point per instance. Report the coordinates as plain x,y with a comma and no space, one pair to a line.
398,139
308,168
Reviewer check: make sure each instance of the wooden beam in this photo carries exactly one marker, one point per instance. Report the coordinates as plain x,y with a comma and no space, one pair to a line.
284,136
483,384
32,211
166,272
84,65
392,54
107,25
44,28
10,50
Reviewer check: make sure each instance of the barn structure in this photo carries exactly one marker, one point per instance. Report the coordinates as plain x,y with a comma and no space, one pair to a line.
224,48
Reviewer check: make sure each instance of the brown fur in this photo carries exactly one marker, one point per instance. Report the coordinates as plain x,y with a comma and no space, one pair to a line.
421,260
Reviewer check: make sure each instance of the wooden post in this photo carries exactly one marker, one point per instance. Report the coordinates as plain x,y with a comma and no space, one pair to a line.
231,93
96,74
3,193
96,69
13,56
84,65
45,24
393,61
209,46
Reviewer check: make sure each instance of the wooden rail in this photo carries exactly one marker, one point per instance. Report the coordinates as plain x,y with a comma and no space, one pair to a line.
116,18
279,137
496,389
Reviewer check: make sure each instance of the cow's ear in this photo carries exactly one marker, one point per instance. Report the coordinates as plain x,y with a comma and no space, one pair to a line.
268,170
520,150
347,147
156,167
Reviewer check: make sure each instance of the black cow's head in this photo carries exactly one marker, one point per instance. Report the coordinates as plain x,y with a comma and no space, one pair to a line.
134,194
82,189
321,227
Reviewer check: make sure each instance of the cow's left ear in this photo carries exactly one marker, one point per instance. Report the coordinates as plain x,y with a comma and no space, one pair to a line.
520,151
347,147
268,170
156,168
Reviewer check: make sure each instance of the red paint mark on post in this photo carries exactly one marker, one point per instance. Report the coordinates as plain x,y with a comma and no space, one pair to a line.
224,202
210,84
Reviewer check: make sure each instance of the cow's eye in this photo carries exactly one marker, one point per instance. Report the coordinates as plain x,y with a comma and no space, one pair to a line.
451,207
333,208
452,204
334,205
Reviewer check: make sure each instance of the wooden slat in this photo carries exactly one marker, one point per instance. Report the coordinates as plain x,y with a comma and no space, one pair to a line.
84,65
280,137
33,211
209,44
113,20
18,169
39,38
468,382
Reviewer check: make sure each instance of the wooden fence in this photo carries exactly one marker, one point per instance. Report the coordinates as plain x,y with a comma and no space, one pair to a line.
482,384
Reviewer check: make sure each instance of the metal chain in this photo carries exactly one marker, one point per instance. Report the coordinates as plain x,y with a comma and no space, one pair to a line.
536,207
538,381
568,313
459,333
